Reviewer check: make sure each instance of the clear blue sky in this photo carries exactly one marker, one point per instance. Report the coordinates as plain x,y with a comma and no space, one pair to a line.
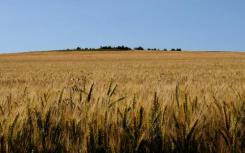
60,24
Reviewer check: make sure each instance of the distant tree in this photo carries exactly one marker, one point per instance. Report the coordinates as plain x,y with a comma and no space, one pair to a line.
78,48
127,48
114,48
178,49
119,47
165,49
105,47
139,48
173,49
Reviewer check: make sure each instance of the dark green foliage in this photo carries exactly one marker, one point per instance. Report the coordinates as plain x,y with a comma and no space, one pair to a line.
114,48
139,48
177,49
78,48
153,49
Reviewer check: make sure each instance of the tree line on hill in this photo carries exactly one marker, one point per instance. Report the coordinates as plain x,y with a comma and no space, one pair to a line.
123,48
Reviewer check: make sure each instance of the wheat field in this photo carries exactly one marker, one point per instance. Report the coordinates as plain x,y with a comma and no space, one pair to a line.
122,102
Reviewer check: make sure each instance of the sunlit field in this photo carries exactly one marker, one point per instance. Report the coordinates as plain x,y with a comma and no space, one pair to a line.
122,102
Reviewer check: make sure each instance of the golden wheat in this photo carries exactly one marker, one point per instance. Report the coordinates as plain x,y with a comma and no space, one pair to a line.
130,102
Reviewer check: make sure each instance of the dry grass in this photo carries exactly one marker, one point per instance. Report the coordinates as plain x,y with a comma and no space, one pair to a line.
122,102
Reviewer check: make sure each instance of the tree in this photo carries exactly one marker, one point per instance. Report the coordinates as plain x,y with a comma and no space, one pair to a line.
179,49
139,48
78,48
